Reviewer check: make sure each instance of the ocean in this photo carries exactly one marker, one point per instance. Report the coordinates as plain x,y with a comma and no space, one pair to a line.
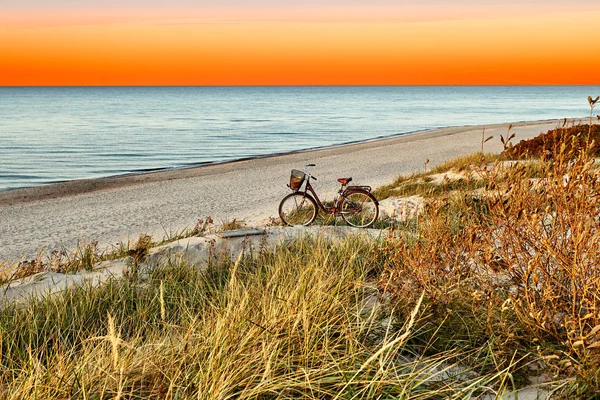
55,134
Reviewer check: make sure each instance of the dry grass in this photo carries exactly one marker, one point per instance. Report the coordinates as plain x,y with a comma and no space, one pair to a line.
516,267
82,258
466,163
299,322
87,253
549,144
469,167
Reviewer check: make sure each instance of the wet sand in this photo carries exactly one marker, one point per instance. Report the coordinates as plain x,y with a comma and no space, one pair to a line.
160,203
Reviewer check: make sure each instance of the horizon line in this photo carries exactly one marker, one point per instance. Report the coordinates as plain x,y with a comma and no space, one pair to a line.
306,85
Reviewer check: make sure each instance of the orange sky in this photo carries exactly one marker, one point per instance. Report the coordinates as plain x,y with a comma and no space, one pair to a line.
219,47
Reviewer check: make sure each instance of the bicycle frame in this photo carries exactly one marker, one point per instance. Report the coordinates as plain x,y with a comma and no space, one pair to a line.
336,207
329,210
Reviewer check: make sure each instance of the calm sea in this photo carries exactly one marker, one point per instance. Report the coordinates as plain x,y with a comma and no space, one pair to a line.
49,135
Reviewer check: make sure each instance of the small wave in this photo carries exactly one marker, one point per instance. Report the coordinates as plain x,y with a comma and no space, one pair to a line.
250,120
181,119
20,176
345,117
121,155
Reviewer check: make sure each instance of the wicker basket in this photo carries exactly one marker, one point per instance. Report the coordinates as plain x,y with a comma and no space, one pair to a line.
296,179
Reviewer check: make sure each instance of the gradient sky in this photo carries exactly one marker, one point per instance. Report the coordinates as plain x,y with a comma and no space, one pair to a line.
328,42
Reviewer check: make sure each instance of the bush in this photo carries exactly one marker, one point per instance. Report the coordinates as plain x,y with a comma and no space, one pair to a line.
518,265
549,144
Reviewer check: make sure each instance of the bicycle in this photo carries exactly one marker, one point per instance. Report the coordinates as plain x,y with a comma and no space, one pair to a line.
355,204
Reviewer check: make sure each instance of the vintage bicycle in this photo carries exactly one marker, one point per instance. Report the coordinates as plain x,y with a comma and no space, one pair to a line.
355,204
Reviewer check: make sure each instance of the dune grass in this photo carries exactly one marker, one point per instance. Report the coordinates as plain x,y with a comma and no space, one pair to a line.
420,183
87,253
299,322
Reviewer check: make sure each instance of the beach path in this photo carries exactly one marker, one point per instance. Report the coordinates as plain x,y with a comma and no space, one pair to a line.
161,203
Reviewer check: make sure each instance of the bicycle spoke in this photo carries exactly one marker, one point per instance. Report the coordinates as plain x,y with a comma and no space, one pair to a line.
297,209
359,209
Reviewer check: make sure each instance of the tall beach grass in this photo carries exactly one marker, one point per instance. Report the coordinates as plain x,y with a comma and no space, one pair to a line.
302,321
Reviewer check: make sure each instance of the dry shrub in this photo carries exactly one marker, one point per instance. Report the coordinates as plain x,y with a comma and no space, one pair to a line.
545,238
463,307
548,144
232,225
12,271
435,262
202,226
520,266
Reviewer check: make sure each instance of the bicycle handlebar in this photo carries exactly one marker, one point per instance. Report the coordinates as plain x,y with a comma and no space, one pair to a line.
306,172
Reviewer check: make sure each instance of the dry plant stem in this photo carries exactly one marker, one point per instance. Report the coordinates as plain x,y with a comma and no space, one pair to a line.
506,141
484,139
592,103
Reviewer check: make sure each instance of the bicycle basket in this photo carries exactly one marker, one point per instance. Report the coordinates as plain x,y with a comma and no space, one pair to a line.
296,179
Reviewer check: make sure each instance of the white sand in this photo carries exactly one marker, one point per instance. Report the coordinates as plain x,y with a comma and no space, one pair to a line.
114,209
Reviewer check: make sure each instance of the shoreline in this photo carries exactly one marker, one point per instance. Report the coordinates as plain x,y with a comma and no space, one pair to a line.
74,187
115,209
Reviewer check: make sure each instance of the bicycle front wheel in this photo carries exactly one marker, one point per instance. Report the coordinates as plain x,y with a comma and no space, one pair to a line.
359,209
298,209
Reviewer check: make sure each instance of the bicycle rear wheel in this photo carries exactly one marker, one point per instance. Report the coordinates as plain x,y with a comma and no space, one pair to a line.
298,209
359,209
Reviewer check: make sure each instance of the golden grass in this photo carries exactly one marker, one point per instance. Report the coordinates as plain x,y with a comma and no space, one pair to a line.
299,322
420,184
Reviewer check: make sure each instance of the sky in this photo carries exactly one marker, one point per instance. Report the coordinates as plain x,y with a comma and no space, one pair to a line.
283,42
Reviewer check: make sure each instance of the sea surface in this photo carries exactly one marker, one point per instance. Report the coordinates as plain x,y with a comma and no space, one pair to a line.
54,134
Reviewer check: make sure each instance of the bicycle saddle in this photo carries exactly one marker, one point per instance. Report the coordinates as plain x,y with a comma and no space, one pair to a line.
344,181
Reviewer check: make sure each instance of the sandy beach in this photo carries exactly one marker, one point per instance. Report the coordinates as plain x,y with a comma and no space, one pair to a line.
120,208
